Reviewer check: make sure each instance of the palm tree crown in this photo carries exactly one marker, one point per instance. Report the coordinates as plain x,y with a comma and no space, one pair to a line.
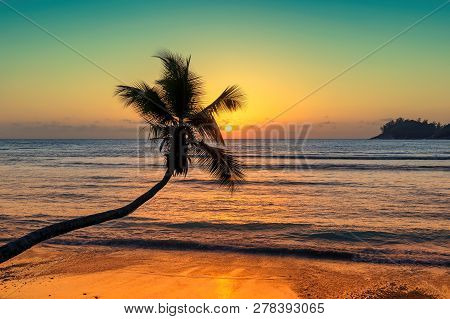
173,110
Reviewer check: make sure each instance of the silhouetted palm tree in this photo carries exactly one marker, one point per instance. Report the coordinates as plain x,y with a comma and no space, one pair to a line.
172,109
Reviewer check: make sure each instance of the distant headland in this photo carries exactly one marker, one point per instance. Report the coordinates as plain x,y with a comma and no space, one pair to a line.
413,129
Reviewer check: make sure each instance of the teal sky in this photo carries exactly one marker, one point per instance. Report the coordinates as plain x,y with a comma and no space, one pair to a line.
277,51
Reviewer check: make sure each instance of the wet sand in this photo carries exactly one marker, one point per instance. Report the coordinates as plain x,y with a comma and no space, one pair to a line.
45,272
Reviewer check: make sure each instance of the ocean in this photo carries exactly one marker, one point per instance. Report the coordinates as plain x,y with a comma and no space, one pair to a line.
380,201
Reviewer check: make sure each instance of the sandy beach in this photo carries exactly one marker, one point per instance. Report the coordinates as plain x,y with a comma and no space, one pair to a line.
45,272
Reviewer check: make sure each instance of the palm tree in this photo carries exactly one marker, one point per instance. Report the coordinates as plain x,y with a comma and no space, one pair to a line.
173,111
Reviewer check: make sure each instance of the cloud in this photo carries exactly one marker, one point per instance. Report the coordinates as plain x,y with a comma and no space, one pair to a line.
326,123
128,129
55,130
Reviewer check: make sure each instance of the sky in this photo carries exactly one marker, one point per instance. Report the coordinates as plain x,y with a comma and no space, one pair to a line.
61,60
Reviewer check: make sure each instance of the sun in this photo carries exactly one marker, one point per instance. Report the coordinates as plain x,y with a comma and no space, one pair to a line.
228,128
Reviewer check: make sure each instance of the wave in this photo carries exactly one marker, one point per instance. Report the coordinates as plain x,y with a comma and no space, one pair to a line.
354,157
364,167
273,182
373,256
230,226
381,237
268,166
98,164
101,178
302,232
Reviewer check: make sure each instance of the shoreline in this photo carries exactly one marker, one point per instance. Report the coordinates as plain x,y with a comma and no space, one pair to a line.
193,246
44,272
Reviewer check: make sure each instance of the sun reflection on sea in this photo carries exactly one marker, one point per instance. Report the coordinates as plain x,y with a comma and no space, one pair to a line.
224,287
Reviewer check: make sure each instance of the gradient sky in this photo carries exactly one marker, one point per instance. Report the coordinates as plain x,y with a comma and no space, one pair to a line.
277,51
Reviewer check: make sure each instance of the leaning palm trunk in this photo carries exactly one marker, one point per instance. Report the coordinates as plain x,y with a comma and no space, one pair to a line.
22,244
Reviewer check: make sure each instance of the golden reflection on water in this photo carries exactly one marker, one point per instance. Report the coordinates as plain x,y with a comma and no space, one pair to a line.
224,287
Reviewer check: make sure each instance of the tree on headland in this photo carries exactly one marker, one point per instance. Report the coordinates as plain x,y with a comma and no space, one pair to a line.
413,129
185,129
443,132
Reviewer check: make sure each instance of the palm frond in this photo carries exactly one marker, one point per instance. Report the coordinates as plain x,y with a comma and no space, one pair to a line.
146,101
230,100
158,131
220,164
205,124
182,89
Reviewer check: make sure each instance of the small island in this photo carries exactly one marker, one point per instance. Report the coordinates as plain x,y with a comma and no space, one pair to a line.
413,129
